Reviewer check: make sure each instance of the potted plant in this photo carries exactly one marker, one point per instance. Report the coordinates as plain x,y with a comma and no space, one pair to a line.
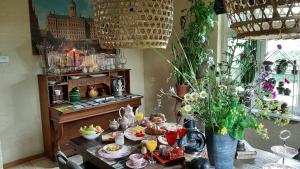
281,66
268,65
287,91
280,89
181,85
215,103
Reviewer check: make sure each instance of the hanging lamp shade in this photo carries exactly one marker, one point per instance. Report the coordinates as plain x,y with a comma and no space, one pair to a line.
133,23
264,19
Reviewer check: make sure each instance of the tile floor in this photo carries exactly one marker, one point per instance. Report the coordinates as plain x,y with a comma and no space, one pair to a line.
44,163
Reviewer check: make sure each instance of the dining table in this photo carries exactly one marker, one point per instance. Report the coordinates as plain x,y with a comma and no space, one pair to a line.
88,149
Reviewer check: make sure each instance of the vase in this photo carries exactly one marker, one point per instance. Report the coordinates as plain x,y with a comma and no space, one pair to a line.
182,90
221,149
188,123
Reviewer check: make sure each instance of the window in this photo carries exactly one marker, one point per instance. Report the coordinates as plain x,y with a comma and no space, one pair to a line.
265,51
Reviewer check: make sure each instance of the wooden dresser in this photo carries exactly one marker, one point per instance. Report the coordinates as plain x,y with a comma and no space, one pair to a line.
62,119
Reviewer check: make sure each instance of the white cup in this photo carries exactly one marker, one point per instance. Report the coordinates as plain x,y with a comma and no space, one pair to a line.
57,92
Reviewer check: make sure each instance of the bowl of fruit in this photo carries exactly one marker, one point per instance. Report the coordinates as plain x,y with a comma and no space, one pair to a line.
91,132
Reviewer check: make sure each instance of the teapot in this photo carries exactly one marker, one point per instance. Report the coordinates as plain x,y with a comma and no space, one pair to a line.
114,125
128,113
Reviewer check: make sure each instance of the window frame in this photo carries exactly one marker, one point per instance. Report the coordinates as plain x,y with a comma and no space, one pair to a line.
225,33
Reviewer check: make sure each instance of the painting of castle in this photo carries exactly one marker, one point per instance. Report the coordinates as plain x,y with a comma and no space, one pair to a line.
66,24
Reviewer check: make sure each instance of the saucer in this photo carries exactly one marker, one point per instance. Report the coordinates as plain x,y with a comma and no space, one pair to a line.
130,165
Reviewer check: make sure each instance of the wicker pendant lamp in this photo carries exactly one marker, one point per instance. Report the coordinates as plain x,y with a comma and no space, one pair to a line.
133,23
264,19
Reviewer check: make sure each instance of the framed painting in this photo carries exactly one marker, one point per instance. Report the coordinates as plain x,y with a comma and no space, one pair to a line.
64,24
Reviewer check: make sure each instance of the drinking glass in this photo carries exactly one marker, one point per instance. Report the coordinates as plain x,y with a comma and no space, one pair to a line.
151,146
139,116
171,136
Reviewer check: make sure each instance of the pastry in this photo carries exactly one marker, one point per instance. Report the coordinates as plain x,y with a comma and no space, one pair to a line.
153,129
157,118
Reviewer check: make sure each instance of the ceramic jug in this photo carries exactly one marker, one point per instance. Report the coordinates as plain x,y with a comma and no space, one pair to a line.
128,113
93,92
124,122
114,125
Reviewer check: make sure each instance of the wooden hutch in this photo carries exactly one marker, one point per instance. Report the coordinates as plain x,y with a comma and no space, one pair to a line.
61,119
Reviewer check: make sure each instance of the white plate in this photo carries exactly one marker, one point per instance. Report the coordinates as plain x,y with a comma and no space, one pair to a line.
125,151
98,75
112,152
288,152
130,134
277,166
74,77
130,165
162,140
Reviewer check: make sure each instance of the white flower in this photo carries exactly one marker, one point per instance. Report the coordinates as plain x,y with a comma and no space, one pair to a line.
203,94
187,97
172,90
194,96
187,108
210,61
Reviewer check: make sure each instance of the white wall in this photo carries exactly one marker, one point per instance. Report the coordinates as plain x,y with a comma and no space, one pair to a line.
20,122
1,161
20,119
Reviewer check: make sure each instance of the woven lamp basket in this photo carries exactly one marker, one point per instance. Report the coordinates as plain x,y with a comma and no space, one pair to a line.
264,19
133,23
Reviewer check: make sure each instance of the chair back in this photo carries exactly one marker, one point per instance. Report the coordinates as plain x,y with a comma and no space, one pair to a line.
61,160
64,162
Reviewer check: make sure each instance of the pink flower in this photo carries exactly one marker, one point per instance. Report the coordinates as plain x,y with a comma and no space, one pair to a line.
286,81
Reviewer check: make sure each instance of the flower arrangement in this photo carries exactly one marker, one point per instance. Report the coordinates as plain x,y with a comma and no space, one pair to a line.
214,99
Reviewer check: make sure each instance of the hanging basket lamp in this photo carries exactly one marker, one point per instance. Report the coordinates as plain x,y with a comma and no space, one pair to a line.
264,19
133,23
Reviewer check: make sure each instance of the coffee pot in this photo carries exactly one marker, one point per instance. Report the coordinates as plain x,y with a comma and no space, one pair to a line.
128,113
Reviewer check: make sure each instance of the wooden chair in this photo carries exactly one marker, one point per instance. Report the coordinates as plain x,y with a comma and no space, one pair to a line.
65,163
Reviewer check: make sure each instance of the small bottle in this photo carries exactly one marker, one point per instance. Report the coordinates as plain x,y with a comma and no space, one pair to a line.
144,150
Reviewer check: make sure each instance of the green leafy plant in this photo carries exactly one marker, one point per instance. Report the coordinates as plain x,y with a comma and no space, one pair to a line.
214,98
196,22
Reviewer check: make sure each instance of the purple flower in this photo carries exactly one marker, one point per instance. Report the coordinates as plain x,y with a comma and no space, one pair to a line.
268,86
274,95
263,75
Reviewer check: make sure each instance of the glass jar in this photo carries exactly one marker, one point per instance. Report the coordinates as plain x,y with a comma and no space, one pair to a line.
119,139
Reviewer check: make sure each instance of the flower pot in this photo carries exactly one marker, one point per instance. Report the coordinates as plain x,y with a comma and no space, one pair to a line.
287,91
268,65
281,69
281,84
182,90
280,89
190,124
221,149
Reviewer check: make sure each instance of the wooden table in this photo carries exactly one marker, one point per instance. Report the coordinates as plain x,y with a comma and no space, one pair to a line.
88,150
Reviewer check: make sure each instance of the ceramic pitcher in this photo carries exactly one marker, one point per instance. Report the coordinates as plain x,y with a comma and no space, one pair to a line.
128,113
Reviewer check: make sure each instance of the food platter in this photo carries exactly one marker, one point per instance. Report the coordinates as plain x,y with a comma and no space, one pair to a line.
284,151
277,166
113,148
125,151
131,134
